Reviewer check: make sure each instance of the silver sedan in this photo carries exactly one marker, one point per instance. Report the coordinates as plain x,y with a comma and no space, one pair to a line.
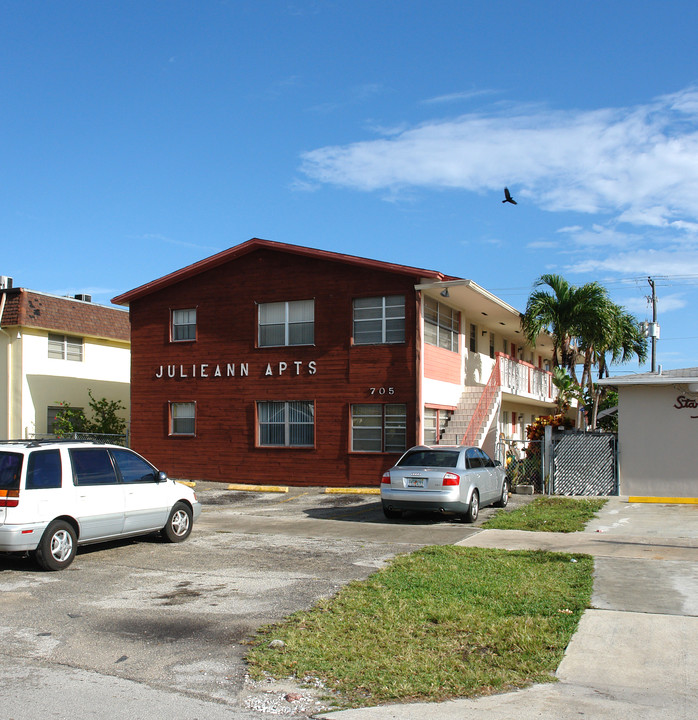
444,478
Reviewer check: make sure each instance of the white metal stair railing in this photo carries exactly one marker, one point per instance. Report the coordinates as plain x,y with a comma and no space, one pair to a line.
488,400
476,433
459,421
476,409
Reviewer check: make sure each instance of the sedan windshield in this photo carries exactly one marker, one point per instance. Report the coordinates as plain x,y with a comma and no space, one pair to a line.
430,458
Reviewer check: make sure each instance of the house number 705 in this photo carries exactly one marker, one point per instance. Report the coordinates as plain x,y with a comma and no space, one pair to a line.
382,391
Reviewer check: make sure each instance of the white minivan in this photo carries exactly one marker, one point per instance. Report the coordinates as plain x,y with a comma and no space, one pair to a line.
56,495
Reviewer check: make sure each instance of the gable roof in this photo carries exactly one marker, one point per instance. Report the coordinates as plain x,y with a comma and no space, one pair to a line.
257,244
27,308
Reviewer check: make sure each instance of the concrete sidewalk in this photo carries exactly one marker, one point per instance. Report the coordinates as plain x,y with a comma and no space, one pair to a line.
635,653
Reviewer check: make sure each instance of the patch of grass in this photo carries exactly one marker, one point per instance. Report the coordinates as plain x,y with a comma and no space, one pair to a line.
442,622
548,514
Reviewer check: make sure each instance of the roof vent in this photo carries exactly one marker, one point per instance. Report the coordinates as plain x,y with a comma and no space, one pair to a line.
5,282
84,298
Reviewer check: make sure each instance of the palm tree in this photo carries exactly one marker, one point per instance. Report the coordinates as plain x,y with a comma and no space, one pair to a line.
567,390
624,342
582,320
567,313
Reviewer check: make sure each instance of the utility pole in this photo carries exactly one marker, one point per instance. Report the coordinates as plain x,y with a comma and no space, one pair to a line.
654,328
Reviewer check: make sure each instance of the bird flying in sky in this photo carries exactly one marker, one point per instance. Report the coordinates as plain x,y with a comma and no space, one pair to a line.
507,197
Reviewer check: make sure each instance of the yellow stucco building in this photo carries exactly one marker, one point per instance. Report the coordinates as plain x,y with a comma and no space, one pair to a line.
54,349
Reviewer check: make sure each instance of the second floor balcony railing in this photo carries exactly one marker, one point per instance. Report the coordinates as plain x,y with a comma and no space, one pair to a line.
526,380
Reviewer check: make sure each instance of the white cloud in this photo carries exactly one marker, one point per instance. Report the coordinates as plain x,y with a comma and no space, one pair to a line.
456,97
665,303
636,164
543,245
641,262
600,236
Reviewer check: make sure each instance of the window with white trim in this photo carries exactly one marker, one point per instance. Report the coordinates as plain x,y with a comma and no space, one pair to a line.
184,325
379,320
182,418
286,323
441,324
64,347
286,424
52,413
378,428
434,423
473,338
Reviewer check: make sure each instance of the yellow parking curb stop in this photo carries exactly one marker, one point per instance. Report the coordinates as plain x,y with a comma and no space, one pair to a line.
353,491
664,500
258,488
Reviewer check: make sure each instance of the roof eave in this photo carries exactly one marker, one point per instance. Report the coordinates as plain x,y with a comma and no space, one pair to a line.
256,244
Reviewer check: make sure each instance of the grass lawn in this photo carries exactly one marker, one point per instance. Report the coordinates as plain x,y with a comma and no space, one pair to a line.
548,514
442,622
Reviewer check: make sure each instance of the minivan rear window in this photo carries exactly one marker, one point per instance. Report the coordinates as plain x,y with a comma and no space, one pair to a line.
44,470
10,470
430,458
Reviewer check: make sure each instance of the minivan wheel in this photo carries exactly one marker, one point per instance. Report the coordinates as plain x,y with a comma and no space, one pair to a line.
504,497
57,546
179,523
473,509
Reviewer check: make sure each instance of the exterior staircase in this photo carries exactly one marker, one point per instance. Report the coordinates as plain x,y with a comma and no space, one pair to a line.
477,408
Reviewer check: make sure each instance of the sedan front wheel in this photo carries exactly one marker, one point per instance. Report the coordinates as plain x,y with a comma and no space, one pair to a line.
179,523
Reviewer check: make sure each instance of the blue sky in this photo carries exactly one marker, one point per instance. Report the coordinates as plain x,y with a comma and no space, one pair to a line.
140,137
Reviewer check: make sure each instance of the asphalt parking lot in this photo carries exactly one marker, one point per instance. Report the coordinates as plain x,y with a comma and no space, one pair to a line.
169,624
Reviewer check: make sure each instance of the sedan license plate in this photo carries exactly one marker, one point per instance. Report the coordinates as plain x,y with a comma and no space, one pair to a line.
414,482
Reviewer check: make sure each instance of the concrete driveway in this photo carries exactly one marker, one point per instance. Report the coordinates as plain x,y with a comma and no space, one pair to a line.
161,629
140,628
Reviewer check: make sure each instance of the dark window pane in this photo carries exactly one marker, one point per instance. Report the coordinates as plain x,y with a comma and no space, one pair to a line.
44,470
10,470
133,468
92,467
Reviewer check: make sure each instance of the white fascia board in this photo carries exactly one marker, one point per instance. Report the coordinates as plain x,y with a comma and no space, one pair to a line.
469,285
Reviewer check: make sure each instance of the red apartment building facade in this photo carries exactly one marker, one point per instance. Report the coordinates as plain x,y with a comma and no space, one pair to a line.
275,363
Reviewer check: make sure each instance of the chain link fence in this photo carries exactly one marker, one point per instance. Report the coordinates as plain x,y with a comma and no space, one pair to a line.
94,437
522,462
584,463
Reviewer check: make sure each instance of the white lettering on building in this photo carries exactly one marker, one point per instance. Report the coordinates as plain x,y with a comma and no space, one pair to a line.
234,370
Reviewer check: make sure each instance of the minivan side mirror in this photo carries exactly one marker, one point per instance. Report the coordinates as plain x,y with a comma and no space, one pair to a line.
162,476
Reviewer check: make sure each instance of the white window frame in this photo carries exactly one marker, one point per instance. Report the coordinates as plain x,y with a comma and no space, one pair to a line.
437,420
472,345
52,412
389,420
286,422
188,315
291,309
442,322
382,310
65,347
181,413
